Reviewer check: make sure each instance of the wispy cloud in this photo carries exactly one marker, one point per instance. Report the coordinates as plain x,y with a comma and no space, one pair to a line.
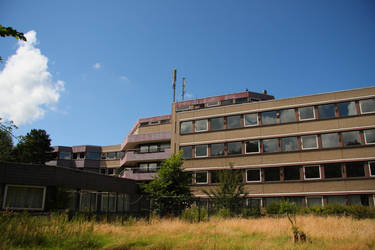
27,87
97,65
124,78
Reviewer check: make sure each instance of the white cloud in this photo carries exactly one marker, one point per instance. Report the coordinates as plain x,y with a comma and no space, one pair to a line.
124,78
97,66
27,88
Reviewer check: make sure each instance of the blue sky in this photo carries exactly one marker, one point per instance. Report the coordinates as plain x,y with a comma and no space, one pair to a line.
110,62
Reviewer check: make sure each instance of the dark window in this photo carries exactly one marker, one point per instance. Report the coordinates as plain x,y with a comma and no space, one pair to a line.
110,171
143,124
164,146
241,100
200,150
252,175
314,201
351,138
227,102
186,127
253,202
289,144
234,148
306,113
326,111
270,145
269,117
369,136
217,149
153,148
332,170
215,177
65,155
367,106
330,140
309,142
166,121
74,156
201,125
201,177
336,199
92,155
187,152
217,123
312,172
102,170
291,173
104,156
355,169
234,121
346,109
251,119
372,168
81,155
272,174
252,147
287,115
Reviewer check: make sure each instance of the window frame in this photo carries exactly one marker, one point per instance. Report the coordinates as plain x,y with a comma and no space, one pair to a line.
281,111
322,109
233,142
211,155
201,156
282,144
217,118
364,136
360,106
191,156
260,175
195,127
347,132
181,133
304,172
250,125
24,186
338,140
250,153
338,109
240,123
195,177
316,142
306,119
369,169
270,111
321,200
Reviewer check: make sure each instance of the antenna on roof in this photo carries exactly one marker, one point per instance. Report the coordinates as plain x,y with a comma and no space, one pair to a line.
183,87
174,74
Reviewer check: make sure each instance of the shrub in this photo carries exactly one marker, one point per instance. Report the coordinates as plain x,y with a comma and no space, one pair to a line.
193,214
273,208
251,212
223,213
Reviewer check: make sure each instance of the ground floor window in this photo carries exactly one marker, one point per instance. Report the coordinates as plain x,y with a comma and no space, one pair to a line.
201,177
336,199
88,201
108,202
254,202
314,201
24,197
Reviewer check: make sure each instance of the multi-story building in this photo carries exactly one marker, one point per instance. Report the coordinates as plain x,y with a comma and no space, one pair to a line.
316,149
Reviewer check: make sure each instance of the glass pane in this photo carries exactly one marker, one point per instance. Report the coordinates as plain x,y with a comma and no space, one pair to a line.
287,115
200,150
253,175
153,148
253,203
252,146
289,144
152,167
326,111
369,136
144,149
241,100
270,145
201,125
292,173
201,177
234,121
217,149
355,169
251,119
333,199
347,109
314,201
351,138
372,168
187,152
309,141
330,140
272,174
217,123
65,155
24,197
227,102
111,155
186,127
92,155
306,113
332,170
367,106
354,199
269,117
312,172
234,148
214,177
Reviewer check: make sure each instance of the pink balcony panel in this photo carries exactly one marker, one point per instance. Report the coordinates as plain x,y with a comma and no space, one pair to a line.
145,138
138,176
131,156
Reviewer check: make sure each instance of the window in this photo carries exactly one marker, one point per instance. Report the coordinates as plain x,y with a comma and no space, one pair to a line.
369,136
212,104
186,127
201,125
291,173
371,165
253,202
111,155
289,144
241,100
108,203
351,138
287,115
201,177
166,121
269,117
346,109
217,123
312,172
153,148
215,177
336,199
326,111
121,154
234,121
355,169
306,113
201,151
143,149
88,201
309,142
253,175
332,170
65,155
272,174
227,102
359,200
251,120
217,149
252,147
270,145
234,148
110,171
24,197
164,146
92,155
143,167
152,167
330,140
367,106
314,201
104,156
187,152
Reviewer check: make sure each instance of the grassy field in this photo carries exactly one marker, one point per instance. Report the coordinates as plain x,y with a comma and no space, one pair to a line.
26,232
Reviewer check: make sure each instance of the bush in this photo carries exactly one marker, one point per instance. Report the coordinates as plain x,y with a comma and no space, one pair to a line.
223,213
273,208
251,212
193,215
356,211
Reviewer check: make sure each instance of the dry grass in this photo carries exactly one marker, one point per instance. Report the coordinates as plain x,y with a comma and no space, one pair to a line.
262,233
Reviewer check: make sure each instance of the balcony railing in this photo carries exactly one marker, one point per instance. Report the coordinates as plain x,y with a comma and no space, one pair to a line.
134,156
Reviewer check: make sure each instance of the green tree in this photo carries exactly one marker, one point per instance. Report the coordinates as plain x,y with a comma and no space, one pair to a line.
34,147
170,188
228,195
9,31
290,210
6,146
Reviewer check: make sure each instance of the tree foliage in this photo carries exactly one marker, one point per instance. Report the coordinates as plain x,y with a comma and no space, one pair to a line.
6,146
9,31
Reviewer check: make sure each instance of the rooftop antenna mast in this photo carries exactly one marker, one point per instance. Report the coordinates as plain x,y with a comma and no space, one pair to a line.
183,87
174,74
